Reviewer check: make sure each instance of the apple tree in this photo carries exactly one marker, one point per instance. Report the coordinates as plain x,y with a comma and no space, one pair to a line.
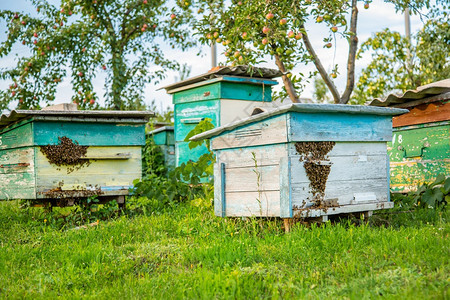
251,30
399,64
80,39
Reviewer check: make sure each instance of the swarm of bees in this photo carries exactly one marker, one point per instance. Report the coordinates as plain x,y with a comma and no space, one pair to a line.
66,153
313,154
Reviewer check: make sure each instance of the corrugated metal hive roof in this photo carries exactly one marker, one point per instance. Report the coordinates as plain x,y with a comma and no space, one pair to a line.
242,71
439,90
17,115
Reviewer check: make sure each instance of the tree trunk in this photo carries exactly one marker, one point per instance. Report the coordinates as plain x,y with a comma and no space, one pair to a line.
353,45
320,68
286,81
117,82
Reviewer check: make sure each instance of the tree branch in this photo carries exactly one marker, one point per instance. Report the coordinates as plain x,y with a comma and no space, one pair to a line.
351,56
286,81
320,67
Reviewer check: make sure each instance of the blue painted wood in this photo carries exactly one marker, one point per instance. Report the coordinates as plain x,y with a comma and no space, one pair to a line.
89,134
184,154
222,187
253,80
339,127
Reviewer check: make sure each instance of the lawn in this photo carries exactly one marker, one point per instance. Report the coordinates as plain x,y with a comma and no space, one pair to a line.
184,251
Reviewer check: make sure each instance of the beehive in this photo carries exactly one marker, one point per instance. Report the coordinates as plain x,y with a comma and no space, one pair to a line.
420,146
222,95
303,160
164,138
99,153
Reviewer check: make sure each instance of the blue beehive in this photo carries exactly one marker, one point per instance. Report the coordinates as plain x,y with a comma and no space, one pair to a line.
224,95
304,160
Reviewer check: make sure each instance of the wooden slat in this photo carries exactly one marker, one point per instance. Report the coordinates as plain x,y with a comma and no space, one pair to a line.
246,180
424,113
17,174
357,167
246,204
343,190
312,213
20,136
273,131
242,157
350,149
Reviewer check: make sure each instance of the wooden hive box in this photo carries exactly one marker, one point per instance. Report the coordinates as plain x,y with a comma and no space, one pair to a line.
223,95
303,160
109,142
165,139
420,146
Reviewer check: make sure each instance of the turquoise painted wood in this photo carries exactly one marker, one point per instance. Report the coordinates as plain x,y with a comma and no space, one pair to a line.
89,134
165,138
114,153
264,175
205,100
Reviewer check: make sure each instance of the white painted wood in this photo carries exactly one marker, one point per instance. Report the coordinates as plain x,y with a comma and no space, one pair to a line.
217,189
247,204
273,131
343,190
343,209
345,168
242,157
246,179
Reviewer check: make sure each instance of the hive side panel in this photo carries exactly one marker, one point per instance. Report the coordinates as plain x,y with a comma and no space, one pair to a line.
358,174
112,169
250,179
339,127
265,132
17,136
90,134
418,154
17,174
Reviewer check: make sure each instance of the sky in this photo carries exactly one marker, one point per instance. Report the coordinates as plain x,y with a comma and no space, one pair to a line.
380,15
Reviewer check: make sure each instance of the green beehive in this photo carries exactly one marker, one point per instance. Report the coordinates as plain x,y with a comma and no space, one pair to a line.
57,156
224,95
420,147
165,139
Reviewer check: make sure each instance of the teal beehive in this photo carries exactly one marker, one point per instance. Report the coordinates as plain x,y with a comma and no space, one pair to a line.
223,95
165,139
58,155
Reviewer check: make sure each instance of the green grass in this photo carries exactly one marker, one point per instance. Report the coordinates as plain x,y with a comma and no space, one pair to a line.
186,252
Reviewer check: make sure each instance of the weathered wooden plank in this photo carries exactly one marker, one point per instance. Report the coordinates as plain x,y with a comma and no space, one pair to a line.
424,113
17,186
17,136
357,167
184,154
253,179
407,175
89,134
247,204
344,191
243,157
339,127
268,131
17,174
346,209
